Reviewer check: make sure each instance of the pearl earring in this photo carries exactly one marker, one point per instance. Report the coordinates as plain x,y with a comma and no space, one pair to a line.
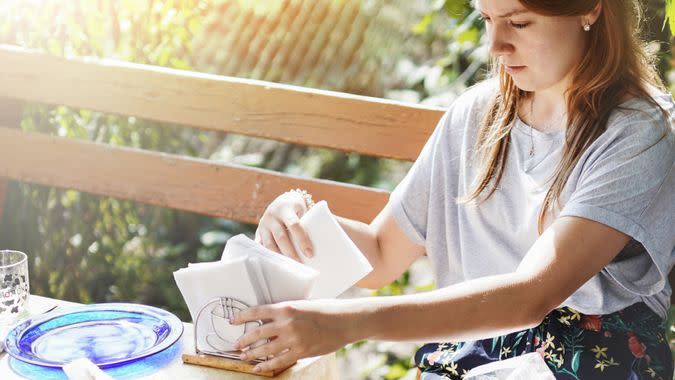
587,27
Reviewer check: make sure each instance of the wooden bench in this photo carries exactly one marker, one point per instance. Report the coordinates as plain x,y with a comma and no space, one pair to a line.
349,123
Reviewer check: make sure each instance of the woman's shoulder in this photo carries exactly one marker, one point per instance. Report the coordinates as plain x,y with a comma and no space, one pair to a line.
480,93
658,108
640,128
473,102
644,118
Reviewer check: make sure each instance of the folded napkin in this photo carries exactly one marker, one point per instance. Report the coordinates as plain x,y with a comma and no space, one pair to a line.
338,260
203,286
249,274
286,279
84,369
204,282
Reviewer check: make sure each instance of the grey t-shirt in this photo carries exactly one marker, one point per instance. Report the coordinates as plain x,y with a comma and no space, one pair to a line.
624,180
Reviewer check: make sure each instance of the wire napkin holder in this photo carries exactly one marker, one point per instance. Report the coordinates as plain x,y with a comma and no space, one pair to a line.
214,337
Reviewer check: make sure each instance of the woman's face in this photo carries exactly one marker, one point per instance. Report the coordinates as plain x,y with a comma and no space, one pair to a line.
539,52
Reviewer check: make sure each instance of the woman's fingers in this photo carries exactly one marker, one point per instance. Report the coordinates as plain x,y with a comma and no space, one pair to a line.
280,227
274,347
297,233
282,240
254,313
282,361
267,240
296,326
266,331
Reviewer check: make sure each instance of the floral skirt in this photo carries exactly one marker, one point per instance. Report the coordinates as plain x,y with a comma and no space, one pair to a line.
629,344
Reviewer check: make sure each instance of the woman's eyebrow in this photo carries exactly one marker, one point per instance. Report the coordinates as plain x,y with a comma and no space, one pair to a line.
510,13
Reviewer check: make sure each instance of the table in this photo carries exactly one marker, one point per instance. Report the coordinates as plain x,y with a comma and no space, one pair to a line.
322,367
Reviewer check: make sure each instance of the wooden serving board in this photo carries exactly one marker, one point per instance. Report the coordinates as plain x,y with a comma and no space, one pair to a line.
228,364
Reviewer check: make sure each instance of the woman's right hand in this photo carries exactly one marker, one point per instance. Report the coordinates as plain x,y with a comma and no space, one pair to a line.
281,222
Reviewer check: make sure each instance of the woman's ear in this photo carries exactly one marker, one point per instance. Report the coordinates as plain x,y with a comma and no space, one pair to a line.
591,17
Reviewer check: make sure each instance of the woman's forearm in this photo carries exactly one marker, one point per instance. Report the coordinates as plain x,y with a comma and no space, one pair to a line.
475,309
366,239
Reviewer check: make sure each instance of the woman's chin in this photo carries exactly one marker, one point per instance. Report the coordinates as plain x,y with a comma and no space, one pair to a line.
524,85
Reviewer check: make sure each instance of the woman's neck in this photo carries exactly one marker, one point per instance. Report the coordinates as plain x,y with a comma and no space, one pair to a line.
545,111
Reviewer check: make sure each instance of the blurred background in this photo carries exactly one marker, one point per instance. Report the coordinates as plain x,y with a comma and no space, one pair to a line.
89,249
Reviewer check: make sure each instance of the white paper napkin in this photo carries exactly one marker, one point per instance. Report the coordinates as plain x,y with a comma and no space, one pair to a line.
255,266
249,274
84,369
286,278
202,285
338,260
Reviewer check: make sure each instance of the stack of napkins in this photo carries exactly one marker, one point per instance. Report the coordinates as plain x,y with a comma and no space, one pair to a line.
249,274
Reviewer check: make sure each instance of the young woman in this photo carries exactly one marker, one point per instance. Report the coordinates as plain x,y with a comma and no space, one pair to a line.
544,199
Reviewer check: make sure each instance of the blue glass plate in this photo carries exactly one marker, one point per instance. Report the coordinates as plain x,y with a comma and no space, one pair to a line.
107,334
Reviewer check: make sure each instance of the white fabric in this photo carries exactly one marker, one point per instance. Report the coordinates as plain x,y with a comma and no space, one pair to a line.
84,369
625,180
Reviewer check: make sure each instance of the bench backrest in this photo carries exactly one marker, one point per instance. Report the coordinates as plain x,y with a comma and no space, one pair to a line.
363,125
349,123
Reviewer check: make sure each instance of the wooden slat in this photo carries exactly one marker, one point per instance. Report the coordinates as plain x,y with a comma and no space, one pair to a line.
292,114
213,361
228,191
11,112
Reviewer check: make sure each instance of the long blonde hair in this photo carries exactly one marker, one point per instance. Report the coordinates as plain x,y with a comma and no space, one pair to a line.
617,65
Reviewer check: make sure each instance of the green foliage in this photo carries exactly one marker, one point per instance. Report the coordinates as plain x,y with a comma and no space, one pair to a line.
670,15
88,248
449,56
94,249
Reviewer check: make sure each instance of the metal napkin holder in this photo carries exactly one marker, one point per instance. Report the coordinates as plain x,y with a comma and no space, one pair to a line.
218,311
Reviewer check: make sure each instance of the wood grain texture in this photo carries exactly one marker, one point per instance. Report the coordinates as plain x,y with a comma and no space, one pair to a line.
224,363
11,112
350,123
229,191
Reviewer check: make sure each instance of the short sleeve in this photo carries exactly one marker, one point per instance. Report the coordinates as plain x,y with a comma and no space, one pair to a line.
409,201
627,183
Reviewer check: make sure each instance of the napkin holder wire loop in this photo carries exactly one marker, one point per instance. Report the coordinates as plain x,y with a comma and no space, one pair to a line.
215,357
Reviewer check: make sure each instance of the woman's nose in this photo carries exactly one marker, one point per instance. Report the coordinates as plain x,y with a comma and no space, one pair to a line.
499,43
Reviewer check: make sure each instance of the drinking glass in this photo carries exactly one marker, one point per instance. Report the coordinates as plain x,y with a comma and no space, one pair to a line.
14,285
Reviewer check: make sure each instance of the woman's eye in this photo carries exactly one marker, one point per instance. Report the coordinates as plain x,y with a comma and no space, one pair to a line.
520,25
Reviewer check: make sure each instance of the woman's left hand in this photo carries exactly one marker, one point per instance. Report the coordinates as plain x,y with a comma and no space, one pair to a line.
295,329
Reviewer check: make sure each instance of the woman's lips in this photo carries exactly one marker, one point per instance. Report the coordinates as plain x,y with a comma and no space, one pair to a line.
513,69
